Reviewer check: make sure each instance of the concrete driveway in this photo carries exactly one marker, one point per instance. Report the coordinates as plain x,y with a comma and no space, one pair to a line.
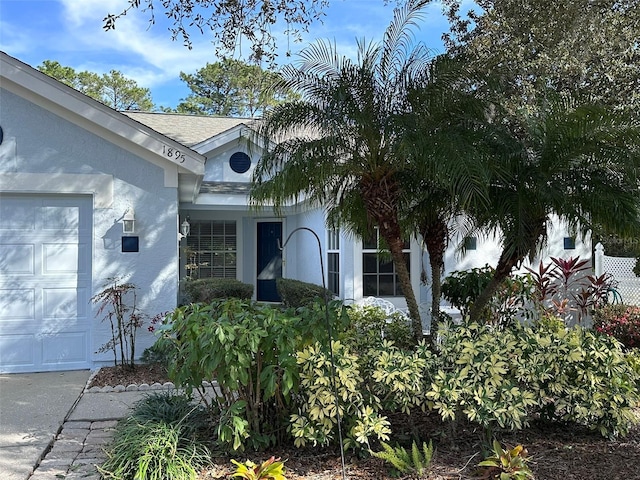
33,407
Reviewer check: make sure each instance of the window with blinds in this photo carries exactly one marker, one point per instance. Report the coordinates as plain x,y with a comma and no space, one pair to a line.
212,249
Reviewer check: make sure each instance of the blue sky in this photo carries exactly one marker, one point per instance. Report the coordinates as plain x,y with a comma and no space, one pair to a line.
70,32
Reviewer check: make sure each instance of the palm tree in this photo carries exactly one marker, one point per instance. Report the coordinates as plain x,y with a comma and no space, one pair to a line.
577,163
450,132
340,145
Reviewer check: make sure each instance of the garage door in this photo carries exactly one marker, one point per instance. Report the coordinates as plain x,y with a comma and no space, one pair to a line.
45,278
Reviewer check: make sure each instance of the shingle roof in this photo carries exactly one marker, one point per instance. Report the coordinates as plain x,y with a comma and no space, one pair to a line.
189,130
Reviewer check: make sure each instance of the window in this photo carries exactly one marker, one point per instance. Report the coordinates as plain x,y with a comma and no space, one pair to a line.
470,243
240,162
212,249
379,273
333,261
569,243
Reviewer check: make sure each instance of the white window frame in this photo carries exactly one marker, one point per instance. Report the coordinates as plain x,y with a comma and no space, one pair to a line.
206,266
377,251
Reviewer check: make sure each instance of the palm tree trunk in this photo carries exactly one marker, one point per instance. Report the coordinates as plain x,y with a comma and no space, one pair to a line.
518,249
503,270
435,235
381,198
395,247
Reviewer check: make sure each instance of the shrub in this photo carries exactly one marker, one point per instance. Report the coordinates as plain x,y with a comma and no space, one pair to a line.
476,378
158,440
317,418
384,378
206,290
369,326
400,378
250,351
295,293
633,359
509,377
621,322
462,288
117,301
564,287
172,408
159,352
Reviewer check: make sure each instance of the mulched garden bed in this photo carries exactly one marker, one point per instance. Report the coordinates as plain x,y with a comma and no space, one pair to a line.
557,452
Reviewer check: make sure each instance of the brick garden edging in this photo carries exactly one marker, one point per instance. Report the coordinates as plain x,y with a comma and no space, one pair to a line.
134,387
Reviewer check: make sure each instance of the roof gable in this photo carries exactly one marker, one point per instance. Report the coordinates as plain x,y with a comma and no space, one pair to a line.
189,130
141,140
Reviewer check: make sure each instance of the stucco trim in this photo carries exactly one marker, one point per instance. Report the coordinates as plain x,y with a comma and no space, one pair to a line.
98,185
245,135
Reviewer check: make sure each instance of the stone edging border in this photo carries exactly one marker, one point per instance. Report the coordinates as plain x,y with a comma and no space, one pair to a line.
133,387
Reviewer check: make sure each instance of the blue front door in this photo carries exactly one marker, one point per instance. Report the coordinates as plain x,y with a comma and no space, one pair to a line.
269,261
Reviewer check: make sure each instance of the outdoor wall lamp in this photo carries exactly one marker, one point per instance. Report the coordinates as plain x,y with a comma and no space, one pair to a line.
128,221
185,228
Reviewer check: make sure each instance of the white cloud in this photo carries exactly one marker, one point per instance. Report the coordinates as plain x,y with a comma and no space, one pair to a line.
141,51
70,31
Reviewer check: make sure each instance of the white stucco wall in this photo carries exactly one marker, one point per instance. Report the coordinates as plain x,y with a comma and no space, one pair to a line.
302,259
217,168
49,154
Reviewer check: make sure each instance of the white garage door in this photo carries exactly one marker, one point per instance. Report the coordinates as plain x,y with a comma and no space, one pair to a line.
45,278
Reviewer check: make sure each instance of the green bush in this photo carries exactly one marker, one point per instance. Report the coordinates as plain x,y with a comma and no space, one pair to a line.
507,378
475,379
400,378
369,326
250,351
621,322
159,440
206,290
172,408
382,379
415,462
295,293
633,359
159,352
317,419
462,288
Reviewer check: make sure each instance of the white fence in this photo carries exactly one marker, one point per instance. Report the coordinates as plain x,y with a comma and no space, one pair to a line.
622,270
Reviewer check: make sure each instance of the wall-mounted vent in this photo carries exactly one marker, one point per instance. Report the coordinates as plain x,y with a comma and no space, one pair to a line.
240,162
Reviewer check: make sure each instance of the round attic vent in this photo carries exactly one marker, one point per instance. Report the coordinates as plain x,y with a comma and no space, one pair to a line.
240,162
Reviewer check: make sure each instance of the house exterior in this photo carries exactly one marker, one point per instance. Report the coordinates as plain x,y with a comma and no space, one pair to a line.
72,169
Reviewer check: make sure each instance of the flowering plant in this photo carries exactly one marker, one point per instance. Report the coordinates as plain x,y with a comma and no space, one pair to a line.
620,321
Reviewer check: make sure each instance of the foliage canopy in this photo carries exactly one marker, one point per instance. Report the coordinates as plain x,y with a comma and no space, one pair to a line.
232,88
113,89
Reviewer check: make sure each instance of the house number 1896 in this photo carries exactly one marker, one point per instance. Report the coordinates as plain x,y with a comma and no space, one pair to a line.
173,153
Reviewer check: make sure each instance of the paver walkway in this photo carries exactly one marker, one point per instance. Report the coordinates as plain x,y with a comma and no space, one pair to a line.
89,428
76,451
79,446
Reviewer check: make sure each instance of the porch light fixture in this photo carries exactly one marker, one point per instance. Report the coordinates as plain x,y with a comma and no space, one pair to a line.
128,221
185,228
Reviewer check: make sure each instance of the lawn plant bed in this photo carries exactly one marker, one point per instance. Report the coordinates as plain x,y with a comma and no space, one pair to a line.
556,451
140,374
519,385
